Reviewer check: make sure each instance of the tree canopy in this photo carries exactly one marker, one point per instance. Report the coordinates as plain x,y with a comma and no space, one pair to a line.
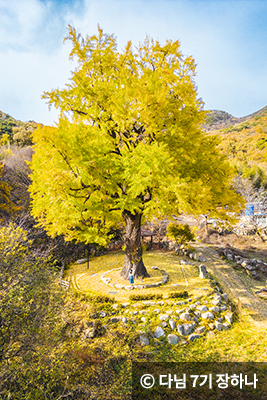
128,145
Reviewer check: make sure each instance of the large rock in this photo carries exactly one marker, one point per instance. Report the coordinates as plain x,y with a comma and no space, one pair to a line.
173,339
229,318
239,259
185,317
202,308
164,280
163,317
217,301
150,285
113,320
184,262
229,254
159,332
262,267
245,263
199,257
119,286
200,330
164,272
102,314
172,324
143,312
218,325
188,328
138,287
254,273
215,309
262,293
219,289
180,329
89,333
202,271
225,297
144,339
226,326
193,337
185,329
106,280
198,313
207,315
251,267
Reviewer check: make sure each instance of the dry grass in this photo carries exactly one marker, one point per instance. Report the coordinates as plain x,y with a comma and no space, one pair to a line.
89,281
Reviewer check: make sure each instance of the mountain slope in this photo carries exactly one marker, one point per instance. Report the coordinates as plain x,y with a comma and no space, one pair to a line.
15,131
218,119
244,140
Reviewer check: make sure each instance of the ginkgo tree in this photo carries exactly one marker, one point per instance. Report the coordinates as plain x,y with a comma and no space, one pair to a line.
128,146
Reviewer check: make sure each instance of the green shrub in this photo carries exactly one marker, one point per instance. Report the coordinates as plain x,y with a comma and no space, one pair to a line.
96,299
149,296
180,233
179,295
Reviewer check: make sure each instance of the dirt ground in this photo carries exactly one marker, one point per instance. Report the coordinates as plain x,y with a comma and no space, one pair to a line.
237,284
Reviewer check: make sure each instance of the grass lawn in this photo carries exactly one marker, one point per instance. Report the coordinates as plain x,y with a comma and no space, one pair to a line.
89,280
245,341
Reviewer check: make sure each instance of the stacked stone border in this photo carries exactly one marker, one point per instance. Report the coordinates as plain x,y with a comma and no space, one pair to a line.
171,321
253,267
107,281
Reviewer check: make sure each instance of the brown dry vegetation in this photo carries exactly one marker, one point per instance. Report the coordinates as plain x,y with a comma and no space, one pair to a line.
248,246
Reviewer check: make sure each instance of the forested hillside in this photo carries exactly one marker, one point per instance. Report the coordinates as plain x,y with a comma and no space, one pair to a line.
13,131
244,140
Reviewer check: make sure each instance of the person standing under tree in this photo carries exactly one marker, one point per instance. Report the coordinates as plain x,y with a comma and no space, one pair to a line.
131,278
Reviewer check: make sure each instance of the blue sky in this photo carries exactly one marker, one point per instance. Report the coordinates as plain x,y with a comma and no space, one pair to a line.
227,38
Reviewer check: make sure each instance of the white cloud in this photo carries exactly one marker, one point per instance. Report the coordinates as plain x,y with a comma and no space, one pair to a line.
20,21
226,38
27,76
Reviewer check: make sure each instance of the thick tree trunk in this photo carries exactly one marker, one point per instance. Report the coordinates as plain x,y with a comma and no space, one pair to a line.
133,247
